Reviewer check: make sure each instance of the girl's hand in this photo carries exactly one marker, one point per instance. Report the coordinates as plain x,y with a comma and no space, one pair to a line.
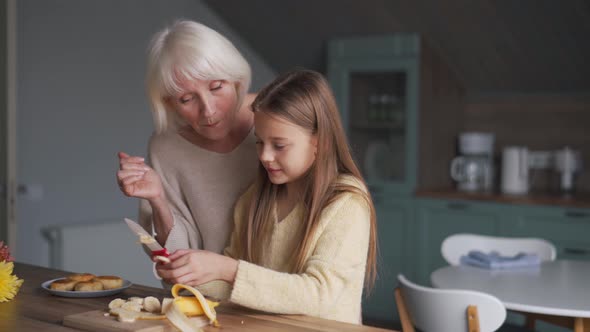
196,267
136,179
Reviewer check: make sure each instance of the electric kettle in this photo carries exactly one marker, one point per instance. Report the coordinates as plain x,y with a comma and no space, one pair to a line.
515,170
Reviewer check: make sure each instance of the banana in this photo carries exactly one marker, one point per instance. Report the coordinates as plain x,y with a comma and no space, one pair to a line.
176,309
188,305
203,306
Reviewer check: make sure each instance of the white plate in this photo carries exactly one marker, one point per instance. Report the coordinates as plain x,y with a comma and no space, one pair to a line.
45,285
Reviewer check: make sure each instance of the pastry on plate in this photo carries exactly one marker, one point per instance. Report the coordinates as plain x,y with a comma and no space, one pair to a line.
82,276
89,286
110,282
63,284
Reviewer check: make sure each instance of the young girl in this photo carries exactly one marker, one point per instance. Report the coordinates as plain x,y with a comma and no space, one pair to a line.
304,240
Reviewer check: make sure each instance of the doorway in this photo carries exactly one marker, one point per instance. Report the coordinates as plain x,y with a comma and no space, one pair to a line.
8,185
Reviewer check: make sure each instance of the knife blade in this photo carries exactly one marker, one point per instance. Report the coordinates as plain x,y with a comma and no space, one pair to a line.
147,239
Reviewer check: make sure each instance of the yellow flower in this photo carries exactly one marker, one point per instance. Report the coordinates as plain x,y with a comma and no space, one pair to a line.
9,283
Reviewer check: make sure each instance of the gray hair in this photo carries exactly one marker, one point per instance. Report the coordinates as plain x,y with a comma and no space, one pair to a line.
190,50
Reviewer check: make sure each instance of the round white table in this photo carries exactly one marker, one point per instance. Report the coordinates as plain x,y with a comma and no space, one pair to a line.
558,288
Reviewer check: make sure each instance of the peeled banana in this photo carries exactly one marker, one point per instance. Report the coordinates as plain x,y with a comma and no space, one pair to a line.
177,309
201,306
188,305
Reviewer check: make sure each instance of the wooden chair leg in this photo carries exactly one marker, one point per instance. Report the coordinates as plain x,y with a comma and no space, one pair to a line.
472,318
581,324
530,322
403,312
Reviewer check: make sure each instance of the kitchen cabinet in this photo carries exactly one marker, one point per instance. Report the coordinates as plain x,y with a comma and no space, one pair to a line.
411,231
395,255
437,219
566,228
391,89
375,82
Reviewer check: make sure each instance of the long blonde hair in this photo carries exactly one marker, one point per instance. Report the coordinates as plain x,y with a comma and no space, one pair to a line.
304,98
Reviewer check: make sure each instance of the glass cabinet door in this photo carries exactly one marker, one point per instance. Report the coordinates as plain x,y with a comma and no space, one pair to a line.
378,106
376,123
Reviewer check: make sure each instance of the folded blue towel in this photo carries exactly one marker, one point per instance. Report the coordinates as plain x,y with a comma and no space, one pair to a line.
493,260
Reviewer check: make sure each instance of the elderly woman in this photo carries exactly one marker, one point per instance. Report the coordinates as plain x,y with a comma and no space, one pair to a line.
203,152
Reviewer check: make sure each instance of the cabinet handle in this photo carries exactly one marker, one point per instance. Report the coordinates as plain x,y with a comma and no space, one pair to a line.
576,251
575,214
457,206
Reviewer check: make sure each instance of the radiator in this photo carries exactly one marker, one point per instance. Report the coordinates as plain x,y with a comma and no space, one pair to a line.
100,248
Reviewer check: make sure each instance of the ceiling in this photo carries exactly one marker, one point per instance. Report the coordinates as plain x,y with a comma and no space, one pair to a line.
494,47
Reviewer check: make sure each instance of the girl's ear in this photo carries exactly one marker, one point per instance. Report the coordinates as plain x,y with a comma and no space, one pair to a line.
314,142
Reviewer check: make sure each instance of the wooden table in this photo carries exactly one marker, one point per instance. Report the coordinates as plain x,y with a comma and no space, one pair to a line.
558,291
34,309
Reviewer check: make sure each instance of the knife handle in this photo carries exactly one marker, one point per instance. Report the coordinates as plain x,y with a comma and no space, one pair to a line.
162,252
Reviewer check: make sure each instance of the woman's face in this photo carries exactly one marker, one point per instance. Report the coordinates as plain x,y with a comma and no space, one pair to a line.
286,150
209,107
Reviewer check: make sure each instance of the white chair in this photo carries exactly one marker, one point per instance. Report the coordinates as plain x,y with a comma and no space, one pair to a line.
457,245
446,310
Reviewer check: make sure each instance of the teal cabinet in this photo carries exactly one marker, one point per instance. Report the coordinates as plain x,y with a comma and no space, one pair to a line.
566,228
375,83
437,219
394,222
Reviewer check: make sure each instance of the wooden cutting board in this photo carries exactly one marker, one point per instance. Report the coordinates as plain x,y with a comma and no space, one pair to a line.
96,321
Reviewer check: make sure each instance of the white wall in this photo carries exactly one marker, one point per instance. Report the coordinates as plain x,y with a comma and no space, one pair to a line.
81,99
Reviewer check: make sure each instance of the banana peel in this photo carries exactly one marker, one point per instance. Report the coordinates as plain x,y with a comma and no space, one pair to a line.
189,305
206,309
178,310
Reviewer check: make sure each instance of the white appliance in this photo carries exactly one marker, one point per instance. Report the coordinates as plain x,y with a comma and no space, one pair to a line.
473,169
567,162
517,161
515,170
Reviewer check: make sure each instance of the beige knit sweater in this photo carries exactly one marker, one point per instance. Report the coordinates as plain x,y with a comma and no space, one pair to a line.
201,187
331,284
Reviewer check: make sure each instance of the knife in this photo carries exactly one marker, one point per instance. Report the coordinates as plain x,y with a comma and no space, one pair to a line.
148,240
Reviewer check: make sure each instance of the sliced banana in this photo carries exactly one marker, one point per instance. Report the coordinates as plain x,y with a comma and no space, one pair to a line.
127,316
152,304
136,299
166,303
132,306
116,303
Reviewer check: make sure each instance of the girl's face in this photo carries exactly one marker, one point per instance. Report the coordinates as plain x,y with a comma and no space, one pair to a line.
286,150
209,107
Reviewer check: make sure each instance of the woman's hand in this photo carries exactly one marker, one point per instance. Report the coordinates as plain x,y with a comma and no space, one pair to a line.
196,267
136,179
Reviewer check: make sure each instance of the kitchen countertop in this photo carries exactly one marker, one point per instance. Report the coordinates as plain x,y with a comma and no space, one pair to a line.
581,200
34,309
